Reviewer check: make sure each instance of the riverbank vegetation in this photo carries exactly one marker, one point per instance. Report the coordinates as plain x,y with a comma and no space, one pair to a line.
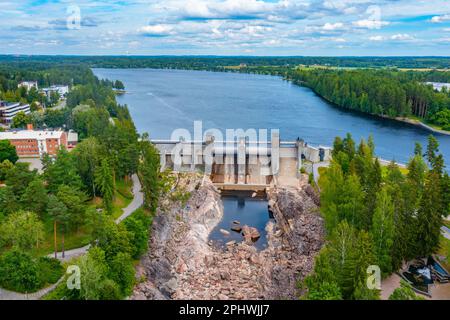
375,219
78,196
390,93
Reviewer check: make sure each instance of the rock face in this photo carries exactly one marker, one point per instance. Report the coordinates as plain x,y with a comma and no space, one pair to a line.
182,264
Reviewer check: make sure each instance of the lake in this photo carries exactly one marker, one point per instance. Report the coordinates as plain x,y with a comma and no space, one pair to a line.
163,100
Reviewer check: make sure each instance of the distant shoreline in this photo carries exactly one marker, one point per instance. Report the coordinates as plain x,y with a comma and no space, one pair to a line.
421,124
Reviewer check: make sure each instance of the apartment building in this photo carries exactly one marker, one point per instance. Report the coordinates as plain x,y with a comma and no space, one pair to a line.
8,110
35,143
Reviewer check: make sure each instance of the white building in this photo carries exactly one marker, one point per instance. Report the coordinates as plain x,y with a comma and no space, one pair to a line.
8,110
439,85
62,90
28,85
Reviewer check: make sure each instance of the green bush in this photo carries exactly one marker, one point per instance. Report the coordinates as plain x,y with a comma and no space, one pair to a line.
18,272
50,270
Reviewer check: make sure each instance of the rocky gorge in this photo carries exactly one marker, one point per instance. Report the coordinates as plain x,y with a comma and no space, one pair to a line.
182,263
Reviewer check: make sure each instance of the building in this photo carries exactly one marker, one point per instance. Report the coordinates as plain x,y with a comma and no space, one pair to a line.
35,143
61,89
8,110
439,85
72,139
28,85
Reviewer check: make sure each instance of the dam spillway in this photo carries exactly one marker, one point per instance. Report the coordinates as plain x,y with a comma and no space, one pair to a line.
242,164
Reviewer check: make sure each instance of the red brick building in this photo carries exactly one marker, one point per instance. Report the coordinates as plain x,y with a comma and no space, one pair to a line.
35,143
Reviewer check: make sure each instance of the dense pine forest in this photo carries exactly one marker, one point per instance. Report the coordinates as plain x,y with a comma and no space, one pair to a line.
218,62
376,216
389,93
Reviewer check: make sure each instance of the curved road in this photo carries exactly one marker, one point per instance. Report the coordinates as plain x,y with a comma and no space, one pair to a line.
138,201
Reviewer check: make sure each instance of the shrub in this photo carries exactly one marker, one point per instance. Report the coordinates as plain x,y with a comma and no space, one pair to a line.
50,270
18,272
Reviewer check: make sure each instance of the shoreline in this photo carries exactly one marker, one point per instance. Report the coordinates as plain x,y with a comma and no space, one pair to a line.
400,119
420,124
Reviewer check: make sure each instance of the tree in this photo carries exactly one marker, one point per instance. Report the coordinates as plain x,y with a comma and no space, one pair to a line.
405,292
110,237
432,149
94,272
121,271
62,171
119,85
105,183
20,120
19,177
88,154
418,149
383,230
8,201
23,230
35,197
8,152
75,202
149,169
322,282
60,216
138,236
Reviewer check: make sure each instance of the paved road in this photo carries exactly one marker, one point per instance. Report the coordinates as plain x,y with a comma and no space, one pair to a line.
445,232
11,295
138,201
316,173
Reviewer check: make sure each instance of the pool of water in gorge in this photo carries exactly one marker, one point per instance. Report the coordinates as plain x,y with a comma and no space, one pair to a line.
248,211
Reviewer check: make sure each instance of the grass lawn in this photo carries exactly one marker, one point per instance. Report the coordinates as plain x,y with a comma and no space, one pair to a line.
82,236
72,240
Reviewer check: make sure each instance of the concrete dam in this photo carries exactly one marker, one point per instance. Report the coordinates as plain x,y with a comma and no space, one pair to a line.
242,164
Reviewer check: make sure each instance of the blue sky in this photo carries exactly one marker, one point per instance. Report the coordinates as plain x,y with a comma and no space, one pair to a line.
225,27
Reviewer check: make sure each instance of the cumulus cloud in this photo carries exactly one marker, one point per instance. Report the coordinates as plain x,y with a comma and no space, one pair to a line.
376,38
370,24
402,37
442,18
158,30
395,37
333,26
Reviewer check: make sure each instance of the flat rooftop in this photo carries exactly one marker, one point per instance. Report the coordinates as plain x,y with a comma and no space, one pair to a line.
30,134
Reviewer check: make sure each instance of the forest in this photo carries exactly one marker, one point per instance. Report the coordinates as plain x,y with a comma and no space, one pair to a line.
79,194
376,215
390,93
218,62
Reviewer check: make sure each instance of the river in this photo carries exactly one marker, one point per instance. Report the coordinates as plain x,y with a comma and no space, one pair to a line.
163,100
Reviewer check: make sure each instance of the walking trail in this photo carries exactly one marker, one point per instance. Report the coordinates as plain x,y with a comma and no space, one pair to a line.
136,203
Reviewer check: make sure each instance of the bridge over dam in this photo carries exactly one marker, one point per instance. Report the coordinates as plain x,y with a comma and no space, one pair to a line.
242,164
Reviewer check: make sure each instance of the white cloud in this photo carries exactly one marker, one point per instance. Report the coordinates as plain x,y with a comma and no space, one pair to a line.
370,24
402,37
376,38
442,18
156,30
333,26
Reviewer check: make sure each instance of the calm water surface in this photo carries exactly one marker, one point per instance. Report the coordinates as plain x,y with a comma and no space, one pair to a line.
246,210
163,100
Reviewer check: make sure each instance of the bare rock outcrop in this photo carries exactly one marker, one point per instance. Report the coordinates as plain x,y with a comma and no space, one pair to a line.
182,264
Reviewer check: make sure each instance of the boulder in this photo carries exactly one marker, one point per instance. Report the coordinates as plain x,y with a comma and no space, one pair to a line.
250,234
225,232
237,229
236,222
